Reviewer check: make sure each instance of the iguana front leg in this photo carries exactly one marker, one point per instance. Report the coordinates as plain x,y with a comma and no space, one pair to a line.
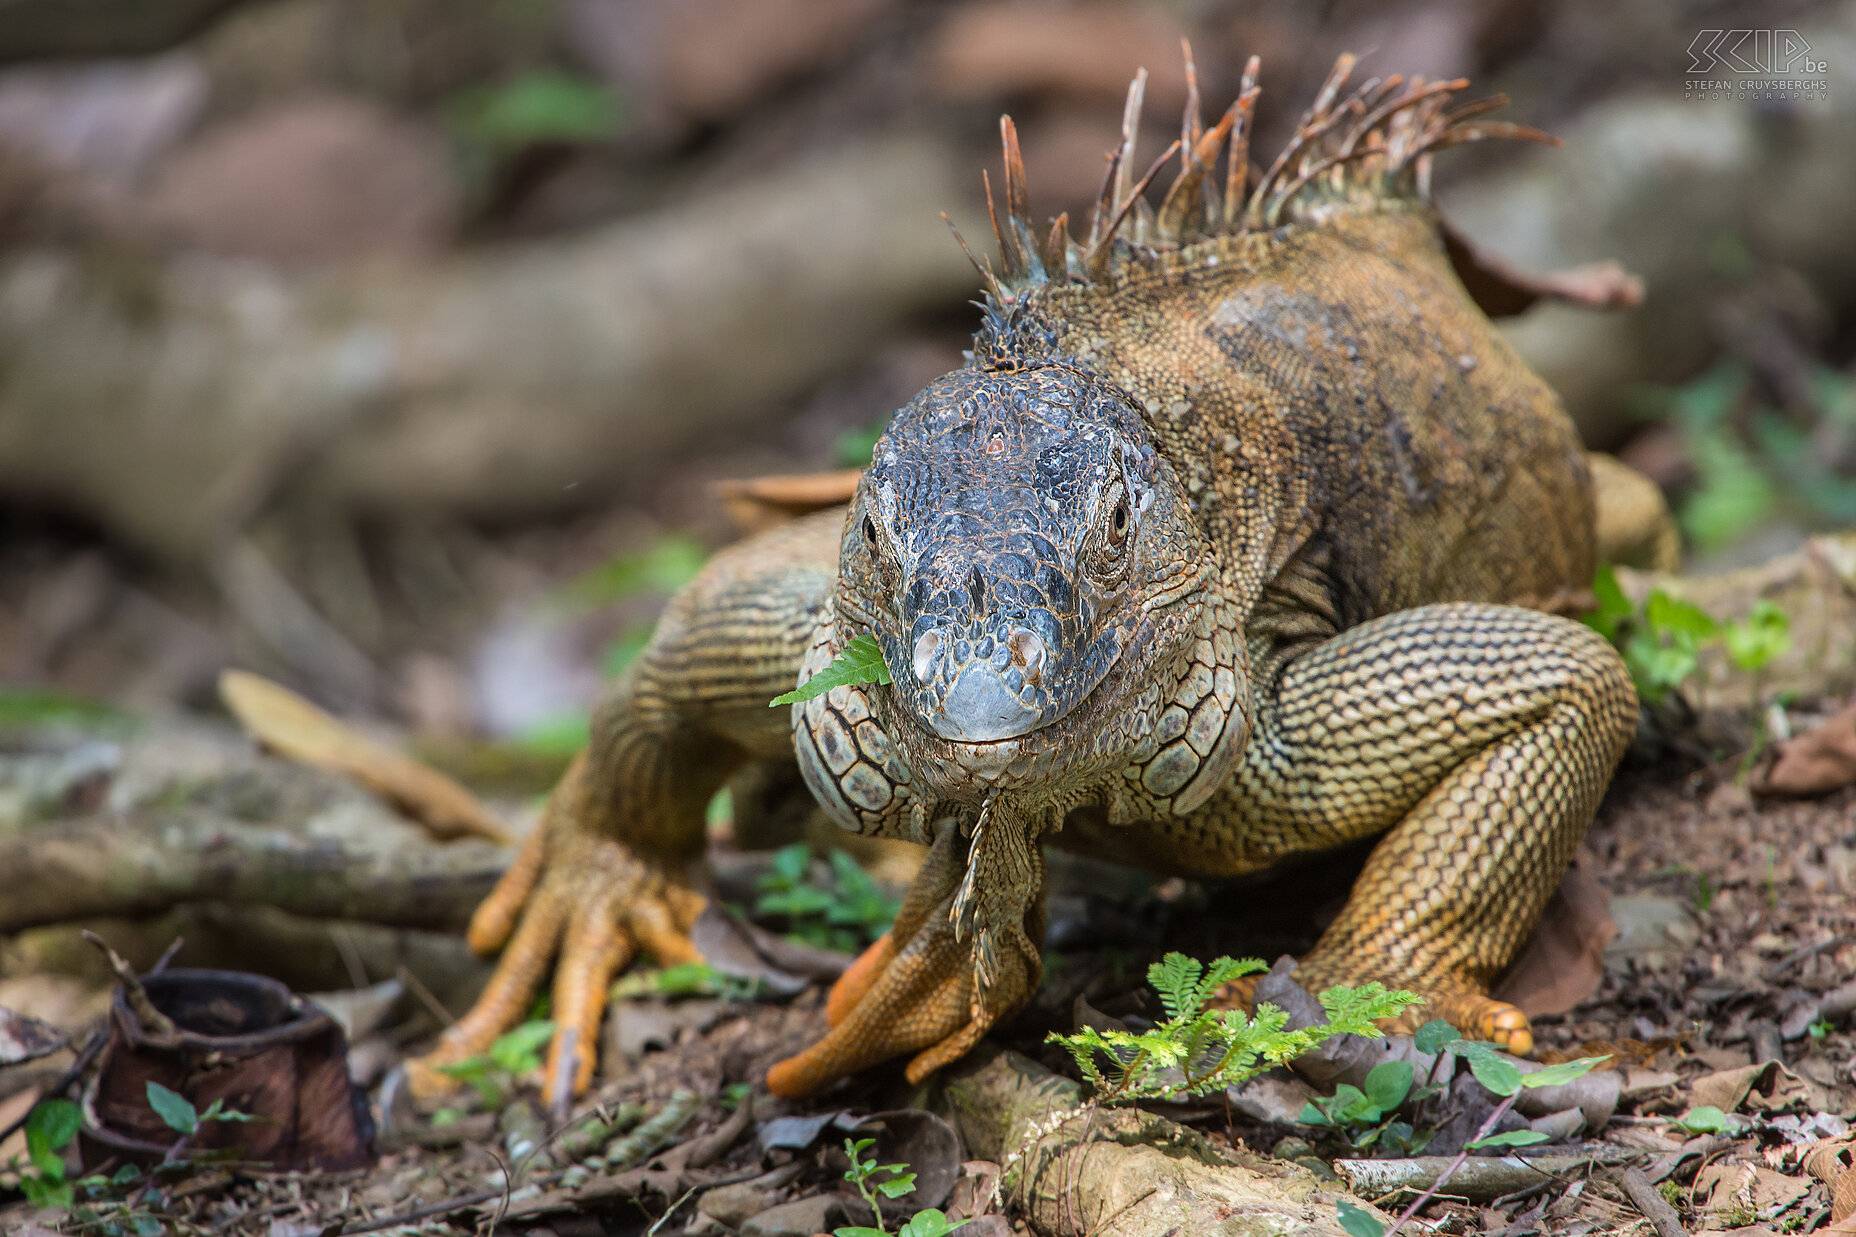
606,873
1484,737
962,954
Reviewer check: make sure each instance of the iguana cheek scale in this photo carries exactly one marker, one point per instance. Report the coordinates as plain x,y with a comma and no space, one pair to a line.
1235,540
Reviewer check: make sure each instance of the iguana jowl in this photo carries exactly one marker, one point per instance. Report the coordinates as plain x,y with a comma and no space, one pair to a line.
1236,539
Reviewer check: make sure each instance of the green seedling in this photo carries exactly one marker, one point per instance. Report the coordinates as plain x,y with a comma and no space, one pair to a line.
50,1127
494,1075
1364,1117
1197,1050
684,979
1662,643
1500,1076
178,1113
1706,1119
900,1181
846,916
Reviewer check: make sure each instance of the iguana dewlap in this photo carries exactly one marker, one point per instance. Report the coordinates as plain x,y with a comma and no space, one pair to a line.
1236,539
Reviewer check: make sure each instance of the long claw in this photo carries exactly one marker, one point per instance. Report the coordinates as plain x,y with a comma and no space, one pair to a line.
592,953
918,1001
503,1002
916,990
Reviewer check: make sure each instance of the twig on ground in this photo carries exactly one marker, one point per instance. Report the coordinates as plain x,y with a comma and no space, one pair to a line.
155,1023
1443,1178
1654,1207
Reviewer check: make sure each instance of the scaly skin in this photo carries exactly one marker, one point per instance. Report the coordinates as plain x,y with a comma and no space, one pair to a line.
1236,540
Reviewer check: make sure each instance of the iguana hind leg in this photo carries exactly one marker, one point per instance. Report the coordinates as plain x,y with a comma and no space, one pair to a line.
1484,735
605,875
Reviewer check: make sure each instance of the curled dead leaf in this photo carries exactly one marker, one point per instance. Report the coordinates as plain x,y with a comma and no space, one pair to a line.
296,729
756,503
1814,762
1562,961
1833,1162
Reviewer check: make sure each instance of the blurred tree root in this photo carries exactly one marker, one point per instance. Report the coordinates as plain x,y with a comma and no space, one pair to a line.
94,828
173,399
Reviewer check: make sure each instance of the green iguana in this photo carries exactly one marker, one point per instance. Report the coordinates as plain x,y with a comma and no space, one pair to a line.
1239,537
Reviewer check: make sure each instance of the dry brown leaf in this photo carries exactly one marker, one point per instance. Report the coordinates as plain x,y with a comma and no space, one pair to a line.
761,502
1768,1087
1833,1162
1562,962
1620,1053
1721,1186
1815,762
294,728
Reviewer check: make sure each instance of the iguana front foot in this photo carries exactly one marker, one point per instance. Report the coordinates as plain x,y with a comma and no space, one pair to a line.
596,903
942,977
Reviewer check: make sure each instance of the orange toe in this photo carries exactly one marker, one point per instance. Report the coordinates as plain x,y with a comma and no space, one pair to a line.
858,978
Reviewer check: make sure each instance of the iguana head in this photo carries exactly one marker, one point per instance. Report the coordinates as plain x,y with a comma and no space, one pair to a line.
1023,555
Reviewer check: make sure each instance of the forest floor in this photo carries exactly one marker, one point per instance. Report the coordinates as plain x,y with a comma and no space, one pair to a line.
1726,986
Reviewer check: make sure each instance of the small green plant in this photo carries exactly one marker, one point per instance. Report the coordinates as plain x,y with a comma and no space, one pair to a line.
50,1127
1672,1193
860,662
1500,1076
178,1113
1752,460
1662,643
1818,1028
93,1201
1196,1050
493,1075
931,1222
845,917
1365,1117
684,979
1706,1119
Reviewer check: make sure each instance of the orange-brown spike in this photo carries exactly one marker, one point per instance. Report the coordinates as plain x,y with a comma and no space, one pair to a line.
1237,170
999,235
1057,248
1190,124
1018,201
985,272
1183,197
1098,257
1124,154
1104,206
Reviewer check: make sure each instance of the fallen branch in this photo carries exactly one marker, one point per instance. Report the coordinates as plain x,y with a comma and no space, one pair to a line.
198,817
503,382
1137,1175
1479,1178
1653,1206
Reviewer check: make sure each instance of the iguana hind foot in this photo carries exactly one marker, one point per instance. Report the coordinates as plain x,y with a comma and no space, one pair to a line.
588,898
1475,1015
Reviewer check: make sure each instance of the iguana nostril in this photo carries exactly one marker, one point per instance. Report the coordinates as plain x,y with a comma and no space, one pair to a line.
925,649
1028,648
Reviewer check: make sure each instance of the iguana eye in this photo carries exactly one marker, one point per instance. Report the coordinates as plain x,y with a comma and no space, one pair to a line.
870,534
1118,522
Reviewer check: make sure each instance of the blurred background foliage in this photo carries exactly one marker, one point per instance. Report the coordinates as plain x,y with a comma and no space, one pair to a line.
391,347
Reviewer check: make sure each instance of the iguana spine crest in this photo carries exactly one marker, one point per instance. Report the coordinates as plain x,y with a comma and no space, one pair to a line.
1373,144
